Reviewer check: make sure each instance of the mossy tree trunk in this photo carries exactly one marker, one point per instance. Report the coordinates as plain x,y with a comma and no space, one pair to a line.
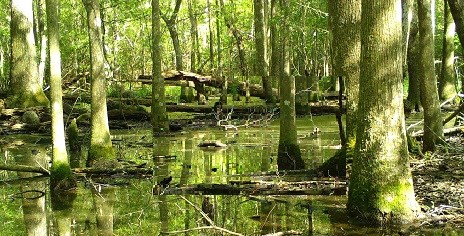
158,107
261,50
433,123
26,91
289,154
101,150
345,21
381,188
447,84
60,172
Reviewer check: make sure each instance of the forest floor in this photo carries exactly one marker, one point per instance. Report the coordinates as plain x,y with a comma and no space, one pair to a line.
439,184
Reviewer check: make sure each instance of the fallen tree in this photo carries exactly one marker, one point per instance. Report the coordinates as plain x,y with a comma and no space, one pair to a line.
198,80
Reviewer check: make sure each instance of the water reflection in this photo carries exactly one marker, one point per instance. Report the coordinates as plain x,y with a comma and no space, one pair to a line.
32,194
135,206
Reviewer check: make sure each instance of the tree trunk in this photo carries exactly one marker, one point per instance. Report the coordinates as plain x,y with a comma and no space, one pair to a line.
158,105
60,172
433,121
238,39
261,50
381,189
447,84
457,10
193,35
289,154
345,21
42,40
413,100
25,90
101,149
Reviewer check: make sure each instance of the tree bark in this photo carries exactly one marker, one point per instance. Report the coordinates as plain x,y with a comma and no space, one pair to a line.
457,10
413,100
261,50
158,105
447,84
61,175
345,22
289,154
381,189
433,121
101,149
25,88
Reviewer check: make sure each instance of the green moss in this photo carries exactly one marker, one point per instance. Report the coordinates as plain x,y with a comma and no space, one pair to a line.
289,157
30,117
61,177
26,99
102,157
377,199
73,136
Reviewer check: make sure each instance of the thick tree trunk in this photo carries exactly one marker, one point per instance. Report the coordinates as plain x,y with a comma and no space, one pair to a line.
345,21
158,105
61,175
25,90
433,121
289,154
101,149
447,84
381,188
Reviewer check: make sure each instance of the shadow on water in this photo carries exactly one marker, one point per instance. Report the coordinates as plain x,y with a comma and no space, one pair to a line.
162,202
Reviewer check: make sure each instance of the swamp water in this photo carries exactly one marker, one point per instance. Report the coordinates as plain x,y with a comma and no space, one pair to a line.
128,206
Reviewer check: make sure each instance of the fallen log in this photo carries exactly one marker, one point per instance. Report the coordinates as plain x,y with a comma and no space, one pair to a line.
256,90
261,188
24,168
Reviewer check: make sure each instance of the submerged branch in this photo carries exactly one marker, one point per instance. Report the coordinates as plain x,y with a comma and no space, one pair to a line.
201,228
24,168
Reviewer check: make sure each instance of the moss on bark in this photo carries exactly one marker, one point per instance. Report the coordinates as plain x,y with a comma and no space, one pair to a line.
61,177
101,157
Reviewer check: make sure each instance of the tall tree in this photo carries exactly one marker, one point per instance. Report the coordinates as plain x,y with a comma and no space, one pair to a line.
60,172
229,21
345,21
171,23
186,93
381,186
413,100
261,50
457,10
194,53
289,154
433,123
158,109
25,90
41,40
447,84
101,150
